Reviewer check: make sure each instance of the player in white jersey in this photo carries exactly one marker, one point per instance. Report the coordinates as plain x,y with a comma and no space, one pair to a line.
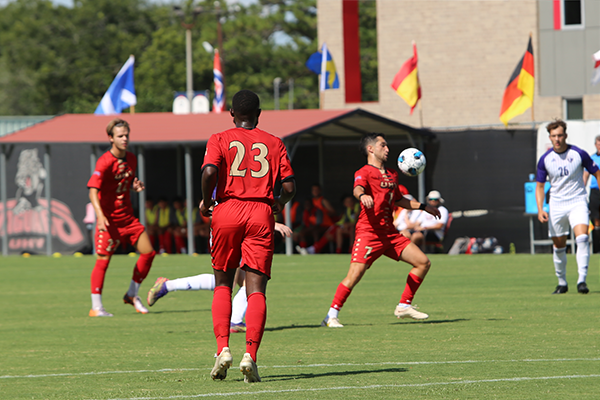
563,165
163,286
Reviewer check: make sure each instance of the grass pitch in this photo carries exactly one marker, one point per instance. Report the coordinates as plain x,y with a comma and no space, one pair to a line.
494,332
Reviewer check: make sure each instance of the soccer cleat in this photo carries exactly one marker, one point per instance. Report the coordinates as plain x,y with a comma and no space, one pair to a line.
235,328
301,250
249,369
136,302
331,323
157,291
582,288
561,289
222,363
408,311
100,313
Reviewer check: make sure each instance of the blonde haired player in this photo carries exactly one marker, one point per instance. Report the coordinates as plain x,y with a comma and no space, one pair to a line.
563,165
109,187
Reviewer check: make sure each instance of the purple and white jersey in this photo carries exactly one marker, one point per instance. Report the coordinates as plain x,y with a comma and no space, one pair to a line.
565,173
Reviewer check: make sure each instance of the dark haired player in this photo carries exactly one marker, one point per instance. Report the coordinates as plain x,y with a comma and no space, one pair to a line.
109,188
376,188
243,163
563,165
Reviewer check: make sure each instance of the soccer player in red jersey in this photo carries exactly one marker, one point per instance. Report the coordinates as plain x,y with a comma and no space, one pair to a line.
243,163
376,188
109,188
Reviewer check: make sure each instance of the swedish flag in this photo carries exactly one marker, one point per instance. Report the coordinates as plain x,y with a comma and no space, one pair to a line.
322,63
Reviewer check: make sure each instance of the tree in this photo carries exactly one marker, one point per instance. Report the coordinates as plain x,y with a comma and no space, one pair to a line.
55,59
368,50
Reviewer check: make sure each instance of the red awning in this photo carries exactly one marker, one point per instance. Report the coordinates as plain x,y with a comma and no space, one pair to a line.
164,127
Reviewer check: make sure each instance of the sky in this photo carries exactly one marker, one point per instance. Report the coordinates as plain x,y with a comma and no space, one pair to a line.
69,3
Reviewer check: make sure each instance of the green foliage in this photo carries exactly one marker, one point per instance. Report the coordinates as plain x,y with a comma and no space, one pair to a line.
494,332
368,50
55,59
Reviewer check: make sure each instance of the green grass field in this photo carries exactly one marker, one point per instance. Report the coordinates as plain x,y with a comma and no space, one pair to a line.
494,332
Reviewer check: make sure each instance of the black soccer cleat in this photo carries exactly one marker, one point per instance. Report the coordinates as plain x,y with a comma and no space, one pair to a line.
582,288
561,289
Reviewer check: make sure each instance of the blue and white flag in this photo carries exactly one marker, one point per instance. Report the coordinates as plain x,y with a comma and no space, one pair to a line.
121,93
321,63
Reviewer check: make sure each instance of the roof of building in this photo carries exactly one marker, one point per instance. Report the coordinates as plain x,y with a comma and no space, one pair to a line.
166,128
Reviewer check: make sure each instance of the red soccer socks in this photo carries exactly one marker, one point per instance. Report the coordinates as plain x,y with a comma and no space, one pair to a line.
98,274
256,317
221,314
180,244
341,295
142,267
412,285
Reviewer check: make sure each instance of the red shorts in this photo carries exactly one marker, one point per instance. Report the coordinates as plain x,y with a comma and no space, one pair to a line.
369,246
126,231
242,230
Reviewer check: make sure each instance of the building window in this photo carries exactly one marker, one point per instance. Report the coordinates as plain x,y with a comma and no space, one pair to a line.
572,13
573,109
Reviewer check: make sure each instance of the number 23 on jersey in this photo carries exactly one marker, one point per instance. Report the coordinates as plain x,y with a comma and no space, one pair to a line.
260,159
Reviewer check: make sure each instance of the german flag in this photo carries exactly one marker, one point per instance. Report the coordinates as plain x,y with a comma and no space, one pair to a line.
518,95
406,82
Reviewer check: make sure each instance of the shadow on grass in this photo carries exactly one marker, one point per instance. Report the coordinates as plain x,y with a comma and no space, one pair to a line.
344,373
179,311
439,321
283,328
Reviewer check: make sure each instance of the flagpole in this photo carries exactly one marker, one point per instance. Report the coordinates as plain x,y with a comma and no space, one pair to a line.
321,98
532,102
131,109
421,113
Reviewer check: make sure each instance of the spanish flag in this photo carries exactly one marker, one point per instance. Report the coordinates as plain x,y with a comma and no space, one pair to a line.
406,81
518,95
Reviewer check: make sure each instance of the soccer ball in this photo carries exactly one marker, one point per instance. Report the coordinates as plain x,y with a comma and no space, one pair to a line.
411,161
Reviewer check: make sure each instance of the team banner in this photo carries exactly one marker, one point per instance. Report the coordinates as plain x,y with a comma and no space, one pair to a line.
28,218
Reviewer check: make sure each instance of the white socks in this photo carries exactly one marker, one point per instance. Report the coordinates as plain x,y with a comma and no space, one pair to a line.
96,301
333,313
239,306
133,289
583,256
560,265
197,282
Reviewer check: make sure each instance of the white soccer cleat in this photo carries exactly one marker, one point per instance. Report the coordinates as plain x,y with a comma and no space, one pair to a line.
409,311
249,369
331,323
136,302
99,313
222,363
301,250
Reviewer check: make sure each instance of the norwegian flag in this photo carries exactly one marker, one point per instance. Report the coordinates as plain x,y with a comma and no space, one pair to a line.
219,100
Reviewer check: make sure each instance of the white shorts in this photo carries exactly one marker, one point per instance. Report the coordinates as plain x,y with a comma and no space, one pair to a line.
559,219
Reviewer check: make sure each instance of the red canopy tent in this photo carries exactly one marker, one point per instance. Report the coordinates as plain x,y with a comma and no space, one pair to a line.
167,129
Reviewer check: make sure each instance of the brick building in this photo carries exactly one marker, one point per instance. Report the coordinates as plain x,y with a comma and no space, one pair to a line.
467,52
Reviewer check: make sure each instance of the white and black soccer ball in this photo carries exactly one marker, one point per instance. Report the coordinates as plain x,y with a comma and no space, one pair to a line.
411,161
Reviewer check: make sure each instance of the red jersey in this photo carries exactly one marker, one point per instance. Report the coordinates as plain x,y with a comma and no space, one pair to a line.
383,187
113,178
249,162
